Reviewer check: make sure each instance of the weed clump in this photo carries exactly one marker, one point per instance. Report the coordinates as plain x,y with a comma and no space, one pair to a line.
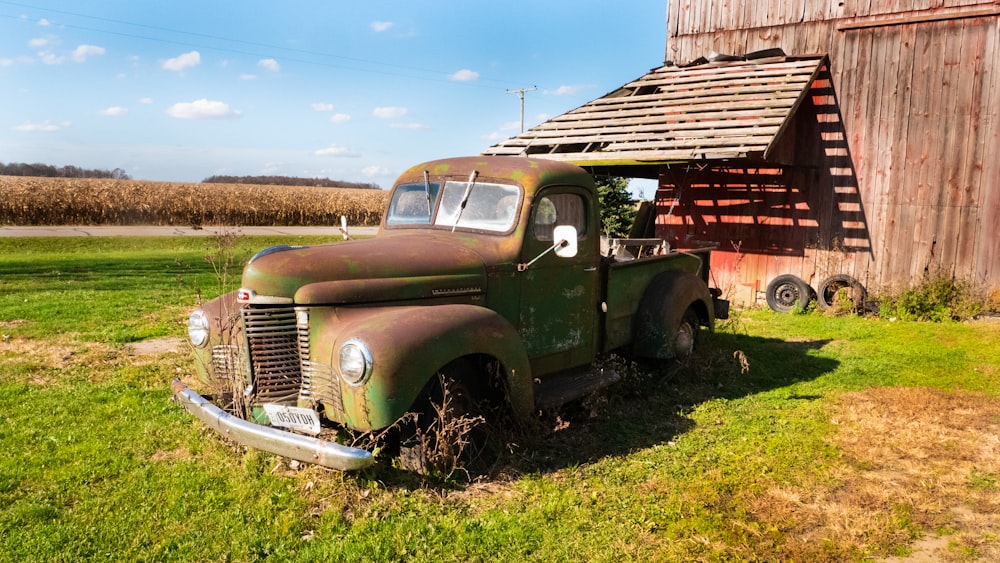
937,298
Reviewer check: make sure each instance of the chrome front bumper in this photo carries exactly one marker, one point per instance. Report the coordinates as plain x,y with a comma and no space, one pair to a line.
269,439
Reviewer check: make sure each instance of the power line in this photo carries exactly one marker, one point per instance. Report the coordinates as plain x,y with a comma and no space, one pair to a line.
249,43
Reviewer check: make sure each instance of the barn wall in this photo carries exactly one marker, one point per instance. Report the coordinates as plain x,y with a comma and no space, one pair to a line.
919,95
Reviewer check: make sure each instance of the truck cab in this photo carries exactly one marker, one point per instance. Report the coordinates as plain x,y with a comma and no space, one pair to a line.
494,264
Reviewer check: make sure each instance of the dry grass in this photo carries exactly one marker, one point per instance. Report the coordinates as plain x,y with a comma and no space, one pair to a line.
924,460
70,201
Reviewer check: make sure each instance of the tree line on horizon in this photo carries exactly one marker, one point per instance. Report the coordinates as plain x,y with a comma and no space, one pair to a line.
38,169
290,181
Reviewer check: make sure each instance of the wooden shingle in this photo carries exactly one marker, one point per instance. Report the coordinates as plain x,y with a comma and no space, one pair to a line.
716,110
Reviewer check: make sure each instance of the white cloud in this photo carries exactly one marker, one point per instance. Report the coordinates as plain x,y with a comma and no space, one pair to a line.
321,106
182,62
39,42
269,65
339,118
248,77
44,22
50,58
373,171
496,137
379,27
511,126
413,126
146,100
6,62
563,91
202,109
81,53
336,150
271,168
114,111
389,112
43,127
464,75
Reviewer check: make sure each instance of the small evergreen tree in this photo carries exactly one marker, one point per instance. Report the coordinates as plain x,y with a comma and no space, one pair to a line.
617,207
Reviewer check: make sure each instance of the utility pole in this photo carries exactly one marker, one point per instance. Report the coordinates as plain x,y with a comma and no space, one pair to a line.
520,93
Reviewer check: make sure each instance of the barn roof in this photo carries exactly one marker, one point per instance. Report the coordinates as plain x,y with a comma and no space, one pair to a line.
727,109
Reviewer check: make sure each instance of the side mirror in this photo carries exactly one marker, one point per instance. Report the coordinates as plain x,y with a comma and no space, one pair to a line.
565,237
566,240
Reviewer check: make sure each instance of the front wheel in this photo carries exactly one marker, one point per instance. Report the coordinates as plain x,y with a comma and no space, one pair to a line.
452,430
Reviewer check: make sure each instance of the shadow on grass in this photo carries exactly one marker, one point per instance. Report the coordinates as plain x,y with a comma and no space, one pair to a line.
648,407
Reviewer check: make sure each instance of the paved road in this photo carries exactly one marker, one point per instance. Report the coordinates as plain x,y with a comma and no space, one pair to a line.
151,231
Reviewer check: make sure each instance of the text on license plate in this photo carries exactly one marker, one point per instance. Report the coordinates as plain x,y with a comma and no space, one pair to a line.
293,418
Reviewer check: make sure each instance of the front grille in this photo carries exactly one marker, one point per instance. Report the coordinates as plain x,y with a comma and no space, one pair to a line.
273,344
228,366
319,385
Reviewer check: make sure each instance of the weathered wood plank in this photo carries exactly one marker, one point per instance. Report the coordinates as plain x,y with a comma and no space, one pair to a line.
735,110
781,99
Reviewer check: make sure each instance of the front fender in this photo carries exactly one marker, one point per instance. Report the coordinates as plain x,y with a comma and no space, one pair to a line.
410,344
225,327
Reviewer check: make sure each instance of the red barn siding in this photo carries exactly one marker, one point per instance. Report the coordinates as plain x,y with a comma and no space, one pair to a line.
908,183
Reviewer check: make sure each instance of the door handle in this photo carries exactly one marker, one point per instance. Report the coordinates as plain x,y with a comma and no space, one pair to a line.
590,269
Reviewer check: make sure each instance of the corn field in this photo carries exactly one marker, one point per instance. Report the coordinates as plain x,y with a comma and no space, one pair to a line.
71,201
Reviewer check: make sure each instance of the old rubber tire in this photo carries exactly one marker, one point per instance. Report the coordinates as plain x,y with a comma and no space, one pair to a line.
826,294
786,292
467,400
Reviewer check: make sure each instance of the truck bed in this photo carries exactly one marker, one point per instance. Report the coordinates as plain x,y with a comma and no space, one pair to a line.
627,281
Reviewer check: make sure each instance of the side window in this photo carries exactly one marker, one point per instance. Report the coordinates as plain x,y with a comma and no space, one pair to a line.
559,209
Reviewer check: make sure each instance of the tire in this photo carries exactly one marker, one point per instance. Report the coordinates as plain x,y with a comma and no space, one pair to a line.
786,292
452,431
830,288
661,313
686,335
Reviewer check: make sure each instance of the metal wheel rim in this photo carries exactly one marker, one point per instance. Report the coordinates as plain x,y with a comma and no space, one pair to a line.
787,294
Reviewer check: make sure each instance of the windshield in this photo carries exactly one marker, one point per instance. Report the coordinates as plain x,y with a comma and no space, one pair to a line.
490,207
411,206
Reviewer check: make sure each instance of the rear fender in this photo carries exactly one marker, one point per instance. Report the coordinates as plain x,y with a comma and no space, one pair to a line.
410,344
663,305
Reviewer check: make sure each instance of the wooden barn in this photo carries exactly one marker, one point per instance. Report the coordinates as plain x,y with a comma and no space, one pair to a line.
813,140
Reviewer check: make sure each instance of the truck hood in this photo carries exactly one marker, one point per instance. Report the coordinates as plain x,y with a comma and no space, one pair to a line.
365,271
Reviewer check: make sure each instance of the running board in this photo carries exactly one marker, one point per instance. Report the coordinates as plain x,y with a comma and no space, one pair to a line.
560,389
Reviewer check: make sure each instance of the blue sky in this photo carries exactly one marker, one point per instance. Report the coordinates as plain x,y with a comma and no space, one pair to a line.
181,90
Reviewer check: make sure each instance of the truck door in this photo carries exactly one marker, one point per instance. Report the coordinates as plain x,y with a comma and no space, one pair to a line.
560,296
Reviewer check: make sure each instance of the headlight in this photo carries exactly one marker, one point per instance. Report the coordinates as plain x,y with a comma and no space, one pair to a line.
355,362
198,328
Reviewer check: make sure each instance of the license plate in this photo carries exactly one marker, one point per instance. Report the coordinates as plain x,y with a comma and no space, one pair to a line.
293,418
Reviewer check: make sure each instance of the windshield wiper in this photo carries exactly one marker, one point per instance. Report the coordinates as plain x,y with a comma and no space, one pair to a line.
465,197
427,190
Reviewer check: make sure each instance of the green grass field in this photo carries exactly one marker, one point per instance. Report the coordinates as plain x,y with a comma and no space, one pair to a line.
789,437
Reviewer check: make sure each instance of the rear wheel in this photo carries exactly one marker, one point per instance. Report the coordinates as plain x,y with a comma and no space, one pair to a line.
787,292
686,335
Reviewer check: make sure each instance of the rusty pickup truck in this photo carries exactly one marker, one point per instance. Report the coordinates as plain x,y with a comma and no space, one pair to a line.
488,269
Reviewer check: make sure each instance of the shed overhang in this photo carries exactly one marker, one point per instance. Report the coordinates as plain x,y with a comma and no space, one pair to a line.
722,109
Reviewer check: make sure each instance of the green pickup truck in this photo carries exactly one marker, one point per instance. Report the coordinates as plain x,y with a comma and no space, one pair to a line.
487,269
